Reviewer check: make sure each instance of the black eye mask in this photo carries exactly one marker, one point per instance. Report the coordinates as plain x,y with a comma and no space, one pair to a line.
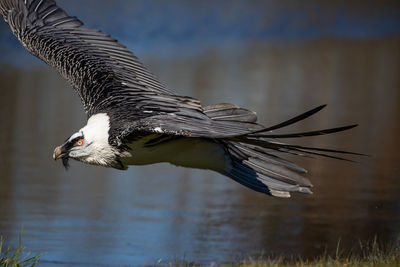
67,147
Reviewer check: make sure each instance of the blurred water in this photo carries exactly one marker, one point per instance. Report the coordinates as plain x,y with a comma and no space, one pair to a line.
189,28
95,215
91,215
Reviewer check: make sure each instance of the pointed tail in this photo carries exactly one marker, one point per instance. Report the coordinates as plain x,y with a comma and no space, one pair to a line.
254,162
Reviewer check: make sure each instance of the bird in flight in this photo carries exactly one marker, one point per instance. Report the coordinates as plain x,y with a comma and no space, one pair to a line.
133,119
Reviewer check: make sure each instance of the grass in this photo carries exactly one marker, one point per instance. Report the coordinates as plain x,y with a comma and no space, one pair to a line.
370,254
16,257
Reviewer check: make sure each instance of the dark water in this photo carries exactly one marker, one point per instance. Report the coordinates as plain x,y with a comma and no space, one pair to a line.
344,54
190,27
93,215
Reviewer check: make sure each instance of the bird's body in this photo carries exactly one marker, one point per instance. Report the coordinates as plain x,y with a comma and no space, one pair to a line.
133,119
186,152
147,149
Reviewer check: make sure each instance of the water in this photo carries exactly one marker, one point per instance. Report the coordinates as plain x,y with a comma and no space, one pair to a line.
102,216
96,216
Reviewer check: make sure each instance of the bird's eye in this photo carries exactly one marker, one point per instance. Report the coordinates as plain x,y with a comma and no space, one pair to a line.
79,142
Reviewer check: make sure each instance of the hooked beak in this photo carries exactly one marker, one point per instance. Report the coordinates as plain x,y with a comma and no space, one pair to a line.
58,153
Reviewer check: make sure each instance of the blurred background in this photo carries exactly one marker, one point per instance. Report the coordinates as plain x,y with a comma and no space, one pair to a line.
278,58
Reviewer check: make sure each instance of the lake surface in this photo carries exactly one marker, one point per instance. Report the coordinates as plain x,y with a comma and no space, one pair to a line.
157,214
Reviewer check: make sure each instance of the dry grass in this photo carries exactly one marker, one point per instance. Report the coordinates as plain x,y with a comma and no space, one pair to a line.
369,254
372,254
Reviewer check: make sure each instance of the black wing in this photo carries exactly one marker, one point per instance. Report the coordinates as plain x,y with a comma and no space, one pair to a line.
106,75
96,65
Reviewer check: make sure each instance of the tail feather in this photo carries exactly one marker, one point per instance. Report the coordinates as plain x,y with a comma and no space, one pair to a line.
304,134
276,172
292,120
324,155
255,151
249,177
246,175
293,149
263,173
254,162
318,149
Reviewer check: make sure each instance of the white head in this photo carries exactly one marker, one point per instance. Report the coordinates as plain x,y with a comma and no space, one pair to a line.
89,144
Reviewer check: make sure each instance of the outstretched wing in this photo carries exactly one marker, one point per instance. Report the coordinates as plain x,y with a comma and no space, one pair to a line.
106,75
98,67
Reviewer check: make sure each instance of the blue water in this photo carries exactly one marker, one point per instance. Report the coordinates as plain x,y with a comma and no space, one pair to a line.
171,28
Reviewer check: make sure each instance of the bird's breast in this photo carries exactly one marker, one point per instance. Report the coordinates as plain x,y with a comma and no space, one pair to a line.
181,151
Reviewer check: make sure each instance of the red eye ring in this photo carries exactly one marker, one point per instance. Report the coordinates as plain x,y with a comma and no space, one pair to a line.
79,142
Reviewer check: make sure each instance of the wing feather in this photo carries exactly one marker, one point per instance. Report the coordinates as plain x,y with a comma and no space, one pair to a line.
105,74
90,60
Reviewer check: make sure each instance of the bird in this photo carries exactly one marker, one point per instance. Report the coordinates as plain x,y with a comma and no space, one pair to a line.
134,119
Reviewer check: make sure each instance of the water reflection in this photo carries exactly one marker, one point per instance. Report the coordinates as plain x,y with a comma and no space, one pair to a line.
93,215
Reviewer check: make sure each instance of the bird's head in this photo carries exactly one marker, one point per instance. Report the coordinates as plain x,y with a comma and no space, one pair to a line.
75,147
90,144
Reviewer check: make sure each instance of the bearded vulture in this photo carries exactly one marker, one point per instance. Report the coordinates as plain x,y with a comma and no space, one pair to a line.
133,119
